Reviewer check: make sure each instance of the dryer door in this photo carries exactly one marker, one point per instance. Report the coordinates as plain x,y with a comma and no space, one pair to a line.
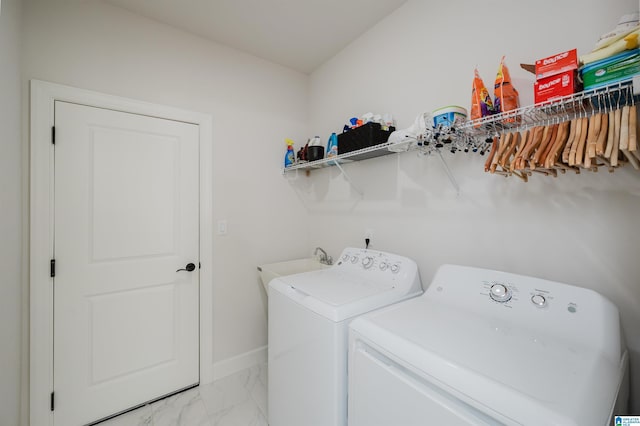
383,392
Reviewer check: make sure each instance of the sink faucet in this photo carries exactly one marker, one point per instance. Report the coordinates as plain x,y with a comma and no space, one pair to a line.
324,258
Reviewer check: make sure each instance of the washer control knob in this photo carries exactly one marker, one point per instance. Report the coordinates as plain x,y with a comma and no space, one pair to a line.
539,300
395,268
367,262
345,257
500,293
354,259
384,266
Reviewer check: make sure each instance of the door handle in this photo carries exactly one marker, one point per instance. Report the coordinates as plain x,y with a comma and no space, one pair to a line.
189,268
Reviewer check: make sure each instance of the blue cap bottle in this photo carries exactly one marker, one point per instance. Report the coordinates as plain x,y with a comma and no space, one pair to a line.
332,146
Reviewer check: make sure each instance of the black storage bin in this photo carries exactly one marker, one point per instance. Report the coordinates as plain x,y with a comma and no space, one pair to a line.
365,136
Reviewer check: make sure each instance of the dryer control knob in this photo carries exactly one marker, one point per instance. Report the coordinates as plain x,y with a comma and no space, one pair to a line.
354,259
367,262
395,268
384,266
345,257
539,300
500,293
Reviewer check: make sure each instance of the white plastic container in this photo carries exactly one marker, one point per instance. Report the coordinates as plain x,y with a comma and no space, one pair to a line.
449,116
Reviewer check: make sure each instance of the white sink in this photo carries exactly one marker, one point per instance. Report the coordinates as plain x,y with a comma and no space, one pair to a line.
270,271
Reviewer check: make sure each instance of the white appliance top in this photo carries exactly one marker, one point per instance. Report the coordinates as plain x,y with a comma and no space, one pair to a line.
360,281
535,351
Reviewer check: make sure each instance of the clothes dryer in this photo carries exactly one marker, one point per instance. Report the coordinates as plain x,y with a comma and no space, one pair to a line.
483,347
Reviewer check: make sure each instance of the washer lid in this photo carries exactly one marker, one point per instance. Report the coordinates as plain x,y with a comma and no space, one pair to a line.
501,368
339,295
337,288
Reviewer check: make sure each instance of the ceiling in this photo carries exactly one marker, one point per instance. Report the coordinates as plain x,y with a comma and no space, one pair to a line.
299,34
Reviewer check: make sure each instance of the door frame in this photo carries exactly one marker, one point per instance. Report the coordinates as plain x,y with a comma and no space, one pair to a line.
43,97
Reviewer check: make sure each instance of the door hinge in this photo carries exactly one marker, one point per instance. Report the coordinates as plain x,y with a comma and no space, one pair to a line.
52,401
52,267
53,135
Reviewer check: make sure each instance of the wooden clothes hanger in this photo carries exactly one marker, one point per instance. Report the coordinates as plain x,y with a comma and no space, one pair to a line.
617,118
633,131
504,138
517,140
541,153
524,155
595,122
624,137
574,124
604,131
579,159
558,146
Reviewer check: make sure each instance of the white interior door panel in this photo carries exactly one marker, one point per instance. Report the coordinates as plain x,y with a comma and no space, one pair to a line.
126,219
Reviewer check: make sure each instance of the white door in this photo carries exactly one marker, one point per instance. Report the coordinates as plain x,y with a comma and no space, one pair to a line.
126,219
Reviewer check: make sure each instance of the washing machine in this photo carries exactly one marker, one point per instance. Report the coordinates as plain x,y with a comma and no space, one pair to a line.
309,315
483,347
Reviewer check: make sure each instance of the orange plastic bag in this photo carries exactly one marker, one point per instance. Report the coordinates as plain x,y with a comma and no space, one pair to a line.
481,104
506,96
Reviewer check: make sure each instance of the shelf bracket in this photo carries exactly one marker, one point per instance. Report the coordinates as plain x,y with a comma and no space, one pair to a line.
295,176
346,176
449,174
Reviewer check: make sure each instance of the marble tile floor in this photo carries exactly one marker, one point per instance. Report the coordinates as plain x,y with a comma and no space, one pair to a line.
236,400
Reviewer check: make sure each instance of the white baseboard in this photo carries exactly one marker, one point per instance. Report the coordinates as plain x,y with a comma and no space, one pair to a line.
239,362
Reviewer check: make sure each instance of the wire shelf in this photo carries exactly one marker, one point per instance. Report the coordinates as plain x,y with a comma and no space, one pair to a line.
580,104
348,157
476,136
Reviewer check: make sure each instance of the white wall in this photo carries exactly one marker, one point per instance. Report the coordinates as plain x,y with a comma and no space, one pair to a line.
574,229
254,104
10,213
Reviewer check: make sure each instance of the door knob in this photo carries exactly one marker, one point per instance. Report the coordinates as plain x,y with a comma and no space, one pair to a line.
189,268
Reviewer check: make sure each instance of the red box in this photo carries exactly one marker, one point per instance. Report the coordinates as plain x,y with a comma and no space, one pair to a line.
556,76
555,86
556,64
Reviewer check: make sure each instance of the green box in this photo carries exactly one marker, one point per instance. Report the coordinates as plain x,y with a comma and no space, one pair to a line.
610,70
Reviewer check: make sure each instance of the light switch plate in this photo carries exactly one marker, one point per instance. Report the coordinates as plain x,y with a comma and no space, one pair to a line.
222,227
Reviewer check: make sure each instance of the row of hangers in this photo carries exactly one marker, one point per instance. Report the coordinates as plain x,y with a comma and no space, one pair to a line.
602,132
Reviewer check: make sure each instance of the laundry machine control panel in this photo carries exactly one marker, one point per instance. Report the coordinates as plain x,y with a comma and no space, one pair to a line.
356,259
483,289
377,267
514,291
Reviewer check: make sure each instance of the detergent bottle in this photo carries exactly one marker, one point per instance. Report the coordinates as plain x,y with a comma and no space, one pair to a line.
332,146
289,156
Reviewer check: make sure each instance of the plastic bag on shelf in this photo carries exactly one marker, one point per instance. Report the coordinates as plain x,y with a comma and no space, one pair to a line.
481,104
